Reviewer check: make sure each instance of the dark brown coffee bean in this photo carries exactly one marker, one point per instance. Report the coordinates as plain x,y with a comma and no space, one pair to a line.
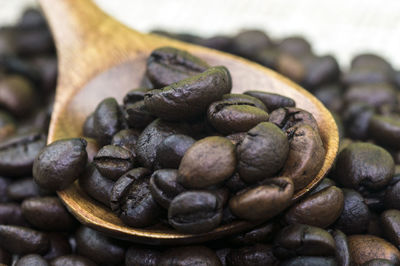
385,130
356,118
5,257
310,261
59,246
325,183
192,255
107,120
295,45
288,117
330,96
164,186
262,153
218,42
208,162
4,183
33,260
47,213
47,71
137,116
60,163
374,95
135,95
342,252
237,138
364,165
17,95
261,234
22,189
320,209
371,60
190,97
264,201
234,116
392,194
88,127
248,43
132,201
172,149
306,155
18,153
167,65
364,248
139,256
22,240
72,260
271,100
243,99
99,248
298,239
33,41
390,220
257,255
127,139
321,70
11,213
235,183
31,18
195,212
113,161
366,75
96,185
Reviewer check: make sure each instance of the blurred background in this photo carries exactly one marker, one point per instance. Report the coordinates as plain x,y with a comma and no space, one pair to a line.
342,28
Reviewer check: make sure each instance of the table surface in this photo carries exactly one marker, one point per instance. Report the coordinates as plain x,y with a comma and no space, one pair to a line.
343,28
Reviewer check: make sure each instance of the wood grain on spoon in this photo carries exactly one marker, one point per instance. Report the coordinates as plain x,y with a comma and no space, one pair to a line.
99,57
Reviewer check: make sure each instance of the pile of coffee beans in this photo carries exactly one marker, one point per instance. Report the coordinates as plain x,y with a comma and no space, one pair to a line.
351,218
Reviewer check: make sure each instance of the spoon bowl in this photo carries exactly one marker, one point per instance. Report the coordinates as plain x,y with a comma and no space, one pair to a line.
99,58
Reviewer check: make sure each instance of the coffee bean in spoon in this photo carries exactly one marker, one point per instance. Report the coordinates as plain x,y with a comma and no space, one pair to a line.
272,101
164,186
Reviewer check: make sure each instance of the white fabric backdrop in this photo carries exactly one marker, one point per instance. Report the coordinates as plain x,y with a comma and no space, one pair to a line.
341,27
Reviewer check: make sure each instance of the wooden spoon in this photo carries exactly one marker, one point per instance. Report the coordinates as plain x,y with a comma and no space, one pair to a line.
98,57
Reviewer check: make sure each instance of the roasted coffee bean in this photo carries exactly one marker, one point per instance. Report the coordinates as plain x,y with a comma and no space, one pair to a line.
374,199
235,183
248,43
356,118
72,260
375,95
264,201
390,220
113,161
136,255
288,117
355,216
320,209
310,261
107,120
31,18
385,130
331,97
99,248
135,95
7,125
167,65
127,139
321,70
47,213
271,100
218,42
33,41
234,116
132,201
262,153
137,116
172,149
237,138
306,155
208,162
243,99
366,75
88,127
22,240
342,252
304,240
257,255
11,213
295,45
60,163
364,248
59,246
191,255
5,257
195,212
22,189
392,194
47,72
325,183
371,60
261,234
268,57
364,165
190,97
18,153
4,183
96,185
164,186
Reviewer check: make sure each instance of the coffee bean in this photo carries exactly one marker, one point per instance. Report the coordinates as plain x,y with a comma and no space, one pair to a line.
190,97
237,138
356,118
164,186
33,41
22,240
11,213
59,246
72,260
195,212
325,183
243,99
167,65
288,117
248,43
321,70
60,163
191,255
99,248
342,252
172,149
310,261
390,220
132,201
364,248
262,153
371,60
96,185
374,95
47,213
261,234
366,75
136,255
4,183
113,161
88,127
32,259
264,201
137,116
330,96
208,162
385,130
271,100
392,195
127,139
295,45
235,183
222,253
22,189
258,254
320,209
135,95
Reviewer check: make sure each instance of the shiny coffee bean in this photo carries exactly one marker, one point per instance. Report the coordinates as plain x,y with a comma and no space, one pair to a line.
190,97
325,183
264,201
72,260
167,65
288,117
88,127
113,161
99,248
342,252
310,261
136,255
17,95
60,163
320,209
243,99
207,162
11,213
257,255
364,248
59,246
271,100
135,95
23,188
132,201
248,43
262,153
127,139
47,213
385,130
18,153
22,240
137,116
364,165
261,234
195,212
33,260
96,185
172,149
390,221
164,186
191,255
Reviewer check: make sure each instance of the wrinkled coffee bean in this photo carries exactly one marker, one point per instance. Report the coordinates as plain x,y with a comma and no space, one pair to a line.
288,117
192,255
96,185
271,100
164,186
113,161
172,149
22,240
127,139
